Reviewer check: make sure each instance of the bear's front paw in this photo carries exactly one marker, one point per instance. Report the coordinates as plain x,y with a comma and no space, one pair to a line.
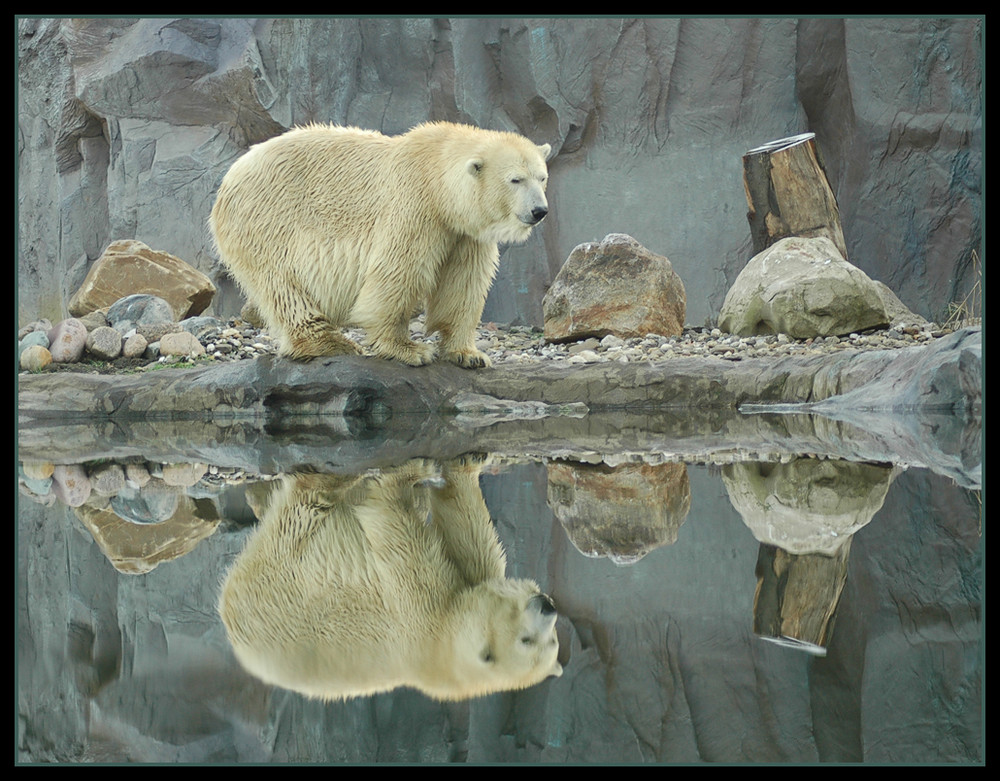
413,353
469,359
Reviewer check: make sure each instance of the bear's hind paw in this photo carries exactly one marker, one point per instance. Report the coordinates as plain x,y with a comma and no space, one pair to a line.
320,343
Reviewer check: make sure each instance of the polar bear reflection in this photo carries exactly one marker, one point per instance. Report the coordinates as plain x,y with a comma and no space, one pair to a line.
348,588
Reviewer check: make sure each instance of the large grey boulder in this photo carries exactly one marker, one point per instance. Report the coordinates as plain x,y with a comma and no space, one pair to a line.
802,287
139,309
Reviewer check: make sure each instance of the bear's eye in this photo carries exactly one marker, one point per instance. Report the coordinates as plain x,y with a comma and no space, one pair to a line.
527,640
487,656
516,180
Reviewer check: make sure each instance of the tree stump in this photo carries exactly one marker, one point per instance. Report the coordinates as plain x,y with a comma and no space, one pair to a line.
788,193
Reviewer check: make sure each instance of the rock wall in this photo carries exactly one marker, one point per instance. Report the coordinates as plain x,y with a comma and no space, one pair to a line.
126,127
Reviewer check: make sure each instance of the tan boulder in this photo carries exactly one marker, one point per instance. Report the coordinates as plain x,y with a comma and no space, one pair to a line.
805,288
128,267
615,286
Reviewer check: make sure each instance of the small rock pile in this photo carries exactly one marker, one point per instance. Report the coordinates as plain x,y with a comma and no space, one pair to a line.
132,483
91,344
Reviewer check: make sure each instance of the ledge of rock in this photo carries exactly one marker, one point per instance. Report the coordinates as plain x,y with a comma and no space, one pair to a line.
915,406
942,377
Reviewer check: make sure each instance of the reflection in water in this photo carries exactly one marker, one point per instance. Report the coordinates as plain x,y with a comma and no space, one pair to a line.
663,657
623,512
352,586
797,595
804,512
141,515
807,505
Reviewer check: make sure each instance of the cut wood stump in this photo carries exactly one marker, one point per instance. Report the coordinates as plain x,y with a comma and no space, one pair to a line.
788,193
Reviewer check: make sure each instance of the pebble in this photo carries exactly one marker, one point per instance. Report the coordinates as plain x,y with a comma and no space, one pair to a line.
34,358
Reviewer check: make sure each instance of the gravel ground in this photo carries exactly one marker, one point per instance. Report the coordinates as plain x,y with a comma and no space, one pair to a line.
237,340
519,344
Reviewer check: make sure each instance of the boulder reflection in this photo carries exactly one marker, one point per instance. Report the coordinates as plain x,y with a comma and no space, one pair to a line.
622,513
804,513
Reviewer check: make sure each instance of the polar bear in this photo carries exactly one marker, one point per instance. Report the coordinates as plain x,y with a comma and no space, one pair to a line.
328,226
353,586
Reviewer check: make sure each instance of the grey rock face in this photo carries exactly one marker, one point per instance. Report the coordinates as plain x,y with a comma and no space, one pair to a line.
126,126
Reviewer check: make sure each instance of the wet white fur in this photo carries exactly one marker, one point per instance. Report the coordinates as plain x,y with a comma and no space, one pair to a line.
327,226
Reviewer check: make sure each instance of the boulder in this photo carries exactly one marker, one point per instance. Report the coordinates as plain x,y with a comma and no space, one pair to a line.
129,266
134,346
181,343
67,340
805,288
104,343
34,357
614,287
140,309
34,339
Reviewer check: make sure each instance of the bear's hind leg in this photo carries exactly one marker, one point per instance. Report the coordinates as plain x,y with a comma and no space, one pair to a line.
305,332
315,338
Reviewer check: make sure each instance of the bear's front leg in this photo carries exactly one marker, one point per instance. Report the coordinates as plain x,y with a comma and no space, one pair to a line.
468,356
391,339
456,303
386,302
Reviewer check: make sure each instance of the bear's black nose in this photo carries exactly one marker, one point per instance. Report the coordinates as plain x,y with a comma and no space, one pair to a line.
544,604
538,213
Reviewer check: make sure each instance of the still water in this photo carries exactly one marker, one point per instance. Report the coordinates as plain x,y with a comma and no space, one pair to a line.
790,611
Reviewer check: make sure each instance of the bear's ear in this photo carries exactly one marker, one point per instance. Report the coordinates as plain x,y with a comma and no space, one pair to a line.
545,150
474,166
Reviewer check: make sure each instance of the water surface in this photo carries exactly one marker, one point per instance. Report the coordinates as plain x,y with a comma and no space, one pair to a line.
799,612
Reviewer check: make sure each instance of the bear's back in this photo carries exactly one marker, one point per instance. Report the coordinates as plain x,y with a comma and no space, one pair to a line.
310,167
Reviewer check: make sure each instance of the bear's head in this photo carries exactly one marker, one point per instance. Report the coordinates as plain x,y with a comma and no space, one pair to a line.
503,637
509,177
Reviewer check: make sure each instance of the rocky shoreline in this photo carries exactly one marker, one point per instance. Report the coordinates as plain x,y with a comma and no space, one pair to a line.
235,340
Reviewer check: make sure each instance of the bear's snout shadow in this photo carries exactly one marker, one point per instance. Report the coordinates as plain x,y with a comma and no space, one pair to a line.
356,585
